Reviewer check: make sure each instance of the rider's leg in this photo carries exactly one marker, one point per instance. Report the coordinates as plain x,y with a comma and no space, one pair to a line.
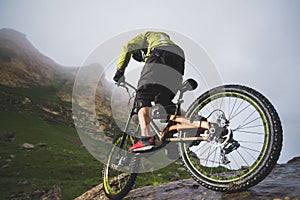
144,115
146,142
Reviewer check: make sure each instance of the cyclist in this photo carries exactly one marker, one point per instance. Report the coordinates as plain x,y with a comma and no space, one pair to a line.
160,78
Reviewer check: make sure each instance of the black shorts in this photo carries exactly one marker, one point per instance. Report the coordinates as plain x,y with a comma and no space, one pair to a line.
153,93
161,77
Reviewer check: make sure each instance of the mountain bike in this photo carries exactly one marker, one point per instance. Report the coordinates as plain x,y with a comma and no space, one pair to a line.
229,139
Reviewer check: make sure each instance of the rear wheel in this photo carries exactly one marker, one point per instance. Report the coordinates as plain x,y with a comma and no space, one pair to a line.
118,173
244,145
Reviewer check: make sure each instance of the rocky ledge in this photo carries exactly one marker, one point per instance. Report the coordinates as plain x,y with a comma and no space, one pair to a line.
283,183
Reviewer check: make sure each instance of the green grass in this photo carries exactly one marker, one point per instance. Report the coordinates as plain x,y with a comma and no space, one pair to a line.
62,161
36,93
161,176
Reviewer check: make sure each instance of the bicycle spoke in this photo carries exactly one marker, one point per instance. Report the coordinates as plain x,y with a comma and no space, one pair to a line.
245,149
247,123
230,166
208,111
221,104
202,147
240,111
230,114
248,127
213,160
208,155
246,119
242,157
250,132
252,142
229,108
250,149
242,102
214,108
234,160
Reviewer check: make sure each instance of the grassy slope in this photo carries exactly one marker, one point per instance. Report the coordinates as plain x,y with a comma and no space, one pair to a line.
63,161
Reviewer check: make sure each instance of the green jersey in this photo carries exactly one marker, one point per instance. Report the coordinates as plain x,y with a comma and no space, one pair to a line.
148,40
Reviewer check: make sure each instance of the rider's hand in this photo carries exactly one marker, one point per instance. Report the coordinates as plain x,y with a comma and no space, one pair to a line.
119,76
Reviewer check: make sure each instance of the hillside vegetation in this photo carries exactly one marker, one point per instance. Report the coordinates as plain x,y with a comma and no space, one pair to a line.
41,153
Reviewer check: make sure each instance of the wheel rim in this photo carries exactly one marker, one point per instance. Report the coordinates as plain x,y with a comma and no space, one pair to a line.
250,128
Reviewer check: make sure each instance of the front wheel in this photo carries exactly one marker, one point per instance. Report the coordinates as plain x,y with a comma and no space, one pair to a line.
119,173
243,147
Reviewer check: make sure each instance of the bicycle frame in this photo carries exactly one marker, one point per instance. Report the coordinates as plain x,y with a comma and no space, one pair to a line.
174,123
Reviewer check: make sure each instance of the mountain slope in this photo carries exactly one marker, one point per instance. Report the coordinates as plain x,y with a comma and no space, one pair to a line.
21,64
35,108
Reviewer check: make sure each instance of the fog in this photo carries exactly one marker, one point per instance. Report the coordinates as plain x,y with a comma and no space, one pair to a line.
255,43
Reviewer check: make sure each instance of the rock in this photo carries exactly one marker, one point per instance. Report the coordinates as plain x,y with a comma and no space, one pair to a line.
9,136
41,144
178,163
85,183
181,169
174,176
294,160
26,196
36,194
26,100
12,156
53,194
270,188
20,196
95,193
27,146
177,176
23,183
5,166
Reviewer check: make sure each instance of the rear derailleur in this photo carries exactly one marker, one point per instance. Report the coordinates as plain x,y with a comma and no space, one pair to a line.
229,147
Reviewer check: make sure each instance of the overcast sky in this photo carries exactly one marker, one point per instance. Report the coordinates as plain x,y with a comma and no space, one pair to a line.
251,42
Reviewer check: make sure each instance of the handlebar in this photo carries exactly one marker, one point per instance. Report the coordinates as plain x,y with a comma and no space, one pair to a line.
126,85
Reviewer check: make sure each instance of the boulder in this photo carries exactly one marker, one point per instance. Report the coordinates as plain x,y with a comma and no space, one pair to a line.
27,146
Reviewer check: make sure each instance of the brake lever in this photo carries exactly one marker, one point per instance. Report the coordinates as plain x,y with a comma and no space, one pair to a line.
123,84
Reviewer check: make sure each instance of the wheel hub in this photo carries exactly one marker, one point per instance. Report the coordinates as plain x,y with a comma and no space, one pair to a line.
219,131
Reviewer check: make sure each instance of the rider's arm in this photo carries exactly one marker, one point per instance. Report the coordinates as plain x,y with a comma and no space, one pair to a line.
134,44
